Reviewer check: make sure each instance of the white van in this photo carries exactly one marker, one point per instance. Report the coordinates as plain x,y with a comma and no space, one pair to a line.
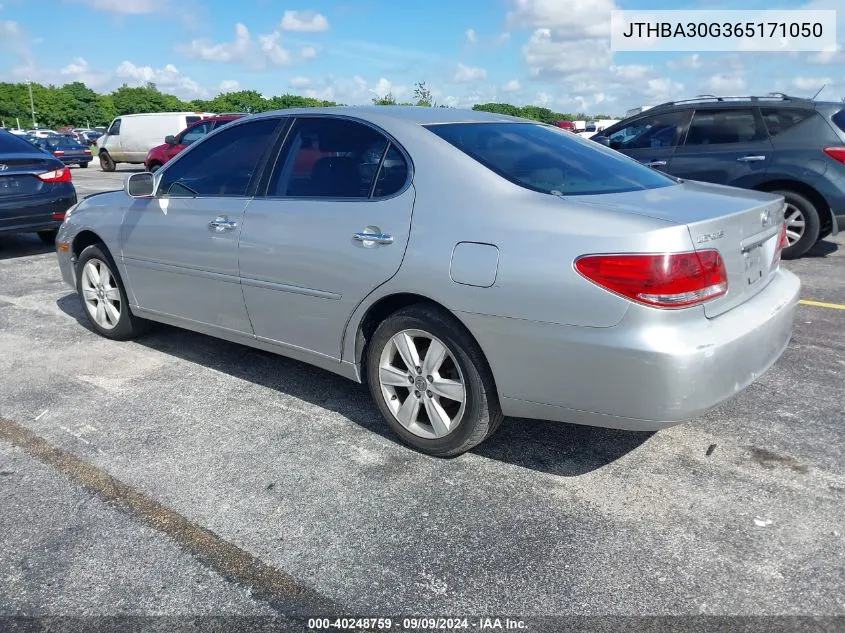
130,137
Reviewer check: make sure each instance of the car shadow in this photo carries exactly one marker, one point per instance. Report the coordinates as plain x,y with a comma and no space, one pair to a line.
822,248
23,244
555,448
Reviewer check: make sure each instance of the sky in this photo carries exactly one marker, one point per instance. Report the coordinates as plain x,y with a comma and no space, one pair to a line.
551,53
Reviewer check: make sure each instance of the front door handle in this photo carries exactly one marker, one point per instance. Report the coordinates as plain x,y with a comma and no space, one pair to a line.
375,238
222,223
751,159
655,163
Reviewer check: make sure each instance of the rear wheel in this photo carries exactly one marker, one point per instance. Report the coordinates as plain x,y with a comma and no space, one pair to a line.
103,296
802,224
106,162
48,237
154,167
83,165
431,382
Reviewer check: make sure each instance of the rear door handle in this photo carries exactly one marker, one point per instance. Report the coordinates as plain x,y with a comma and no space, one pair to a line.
655,163
376,238
222,223
751,159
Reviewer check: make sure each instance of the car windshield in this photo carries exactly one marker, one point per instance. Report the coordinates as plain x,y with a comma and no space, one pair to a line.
549,160
13,144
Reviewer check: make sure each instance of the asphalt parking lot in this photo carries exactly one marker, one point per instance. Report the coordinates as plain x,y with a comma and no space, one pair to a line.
179,474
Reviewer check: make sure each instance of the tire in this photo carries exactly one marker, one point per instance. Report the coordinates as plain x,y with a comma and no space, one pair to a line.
106,161
154,167
94,292
48,237
800,209
84,165
462,365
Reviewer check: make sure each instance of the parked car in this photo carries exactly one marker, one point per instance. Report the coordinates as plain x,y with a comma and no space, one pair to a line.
542,276
566,125
789,146
66,149
160,154
90,137
42,133
35,189
130,137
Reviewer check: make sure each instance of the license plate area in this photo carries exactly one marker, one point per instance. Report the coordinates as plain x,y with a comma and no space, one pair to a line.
754,261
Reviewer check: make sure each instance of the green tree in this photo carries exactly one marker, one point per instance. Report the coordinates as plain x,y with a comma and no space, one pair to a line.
387,99
498,108
423,95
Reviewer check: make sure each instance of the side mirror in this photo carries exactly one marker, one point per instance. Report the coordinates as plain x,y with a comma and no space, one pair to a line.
601,140
170,139
140,185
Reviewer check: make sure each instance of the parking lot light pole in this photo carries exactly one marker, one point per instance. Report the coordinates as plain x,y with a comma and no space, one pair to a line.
31,103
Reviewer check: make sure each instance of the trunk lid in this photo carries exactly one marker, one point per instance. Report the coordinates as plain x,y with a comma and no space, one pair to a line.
19,173
743,225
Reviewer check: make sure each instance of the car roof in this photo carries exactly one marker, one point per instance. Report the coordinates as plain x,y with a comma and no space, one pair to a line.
419,115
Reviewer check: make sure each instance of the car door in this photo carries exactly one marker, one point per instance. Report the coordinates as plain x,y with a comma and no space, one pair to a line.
332,227
650,139
112,142
180,248
727,146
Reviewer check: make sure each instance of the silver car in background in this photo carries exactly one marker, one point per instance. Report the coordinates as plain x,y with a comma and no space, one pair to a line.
467,266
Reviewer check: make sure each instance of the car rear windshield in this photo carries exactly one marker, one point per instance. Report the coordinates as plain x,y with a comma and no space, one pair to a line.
839,119
549,160
11,144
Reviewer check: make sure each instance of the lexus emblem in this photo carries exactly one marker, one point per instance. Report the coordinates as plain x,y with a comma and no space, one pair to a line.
3,167
765,217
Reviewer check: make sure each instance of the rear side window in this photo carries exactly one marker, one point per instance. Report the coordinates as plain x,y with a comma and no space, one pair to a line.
11,144
549,160
839,120
780,120
723,127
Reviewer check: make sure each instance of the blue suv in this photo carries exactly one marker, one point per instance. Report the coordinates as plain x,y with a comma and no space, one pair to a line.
787,145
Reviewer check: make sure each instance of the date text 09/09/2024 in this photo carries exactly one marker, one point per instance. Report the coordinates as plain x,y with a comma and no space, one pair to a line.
417,624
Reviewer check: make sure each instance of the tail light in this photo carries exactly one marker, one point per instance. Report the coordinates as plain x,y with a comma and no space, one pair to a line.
783,242
87,151
57,175
668,280
59,152
59,215
836,153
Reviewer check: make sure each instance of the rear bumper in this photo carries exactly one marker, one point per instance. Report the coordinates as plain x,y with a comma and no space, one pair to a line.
36,213
653,370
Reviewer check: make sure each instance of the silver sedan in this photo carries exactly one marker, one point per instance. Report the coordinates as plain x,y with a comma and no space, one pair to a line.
467,266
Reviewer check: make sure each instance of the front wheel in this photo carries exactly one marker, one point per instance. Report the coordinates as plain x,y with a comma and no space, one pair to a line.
107,162
431,382
103,296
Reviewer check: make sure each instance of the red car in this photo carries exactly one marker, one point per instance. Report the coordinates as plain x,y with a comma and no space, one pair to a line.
158,156
566,125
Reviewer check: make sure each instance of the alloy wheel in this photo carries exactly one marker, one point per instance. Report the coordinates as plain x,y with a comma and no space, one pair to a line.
795,224
101,294
422,384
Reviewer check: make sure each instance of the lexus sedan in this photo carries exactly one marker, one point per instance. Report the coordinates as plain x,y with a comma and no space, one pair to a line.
467,266
35,189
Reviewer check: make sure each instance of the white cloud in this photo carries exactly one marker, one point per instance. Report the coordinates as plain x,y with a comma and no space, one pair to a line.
299,82
806,84
304,21
725,85
130,7
824,58
80,70
471,36
511,86
547,55
688,62
570,19
167,79
467,74
308,52
242,49
229,85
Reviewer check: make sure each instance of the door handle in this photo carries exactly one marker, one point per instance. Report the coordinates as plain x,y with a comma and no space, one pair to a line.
751,159
655,163
377,238
222,223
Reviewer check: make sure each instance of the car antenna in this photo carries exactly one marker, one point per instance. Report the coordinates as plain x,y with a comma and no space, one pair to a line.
819,92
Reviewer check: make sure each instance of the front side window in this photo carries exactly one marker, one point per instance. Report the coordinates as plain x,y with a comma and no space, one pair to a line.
337,158
650,132
549,160
195,133
723,127
114,129
221,165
